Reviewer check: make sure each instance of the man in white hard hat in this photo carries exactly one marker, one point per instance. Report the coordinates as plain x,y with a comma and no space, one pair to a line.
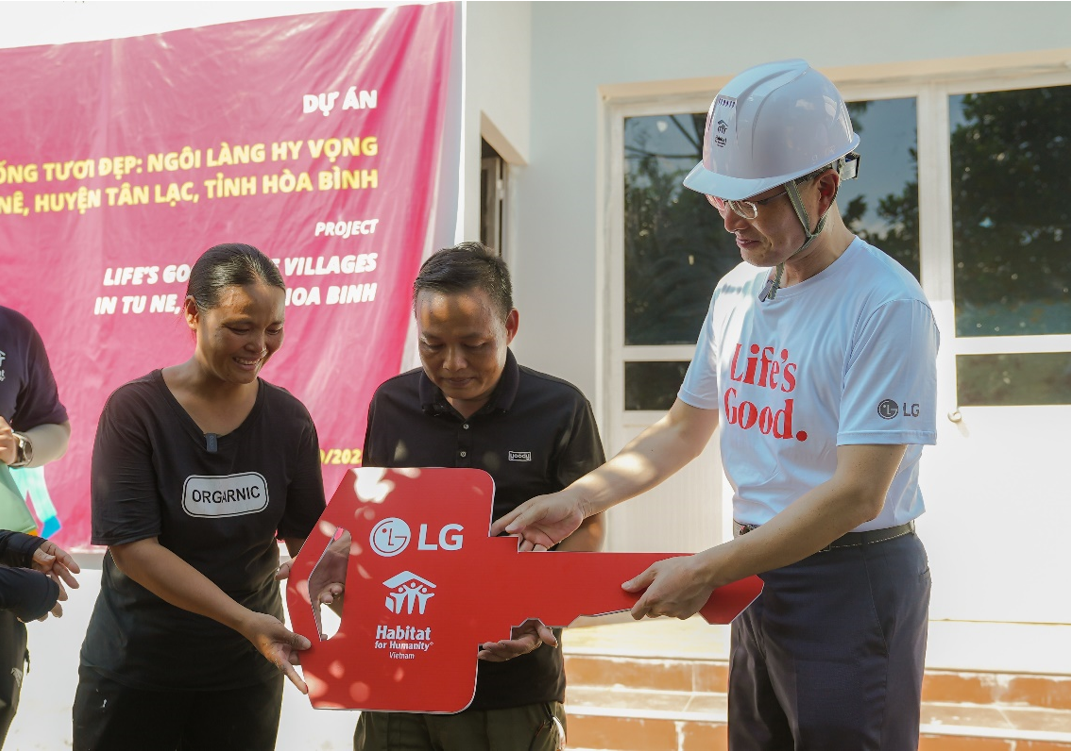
818,357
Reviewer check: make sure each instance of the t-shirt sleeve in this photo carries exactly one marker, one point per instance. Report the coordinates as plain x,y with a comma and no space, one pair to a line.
123,489
368,452
582,450
890,383
28,594
17,549
305,493
700,386
38,401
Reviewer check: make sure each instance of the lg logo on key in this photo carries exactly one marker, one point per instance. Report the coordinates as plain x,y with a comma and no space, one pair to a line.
391,536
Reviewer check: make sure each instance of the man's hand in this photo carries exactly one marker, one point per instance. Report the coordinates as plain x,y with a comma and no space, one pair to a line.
8,446
677,587
279,645
57,564
543,521
527,637
327,583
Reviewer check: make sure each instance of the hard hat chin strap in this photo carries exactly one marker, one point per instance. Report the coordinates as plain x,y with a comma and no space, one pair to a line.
769,292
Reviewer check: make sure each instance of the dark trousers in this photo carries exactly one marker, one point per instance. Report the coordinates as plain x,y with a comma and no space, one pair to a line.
13,663
528,728
109,716
830,656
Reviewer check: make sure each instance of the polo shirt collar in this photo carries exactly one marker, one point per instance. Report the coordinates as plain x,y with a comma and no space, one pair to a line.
432,400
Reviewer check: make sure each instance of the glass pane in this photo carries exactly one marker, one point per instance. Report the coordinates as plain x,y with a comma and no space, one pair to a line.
653,385
676,248
1011,182
882,204
1007,380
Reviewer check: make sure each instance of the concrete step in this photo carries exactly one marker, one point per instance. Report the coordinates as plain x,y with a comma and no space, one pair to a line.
649,687
701,675
620,719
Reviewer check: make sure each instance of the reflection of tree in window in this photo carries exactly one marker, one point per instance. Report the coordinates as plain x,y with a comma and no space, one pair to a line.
676,248
1011,179
894,226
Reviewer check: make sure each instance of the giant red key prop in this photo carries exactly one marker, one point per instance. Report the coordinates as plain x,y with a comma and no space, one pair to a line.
425,586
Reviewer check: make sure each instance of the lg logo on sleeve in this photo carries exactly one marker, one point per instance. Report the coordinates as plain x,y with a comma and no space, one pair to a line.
888,409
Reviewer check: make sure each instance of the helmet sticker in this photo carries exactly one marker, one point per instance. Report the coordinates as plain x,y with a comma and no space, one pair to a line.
722,120
723,128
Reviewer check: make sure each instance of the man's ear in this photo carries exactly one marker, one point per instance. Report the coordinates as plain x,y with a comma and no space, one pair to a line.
512,322
828,185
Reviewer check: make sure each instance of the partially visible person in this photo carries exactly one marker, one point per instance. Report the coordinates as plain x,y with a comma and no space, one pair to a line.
198,470
472,405
818,357
34,430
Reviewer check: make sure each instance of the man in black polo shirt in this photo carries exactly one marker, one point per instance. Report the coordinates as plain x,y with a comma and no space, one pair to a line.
472,405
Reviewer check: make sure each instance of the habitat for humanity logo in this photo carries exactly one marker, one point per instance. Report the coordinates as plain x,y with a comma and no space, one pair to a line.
408,591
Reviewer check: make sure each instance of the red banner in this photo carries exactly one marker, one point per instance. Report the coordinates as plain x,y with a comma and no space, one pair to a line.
316,138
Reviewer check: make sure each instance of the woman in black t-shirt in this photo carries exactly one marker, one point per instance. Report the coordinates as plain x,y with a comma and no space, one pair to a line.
198,469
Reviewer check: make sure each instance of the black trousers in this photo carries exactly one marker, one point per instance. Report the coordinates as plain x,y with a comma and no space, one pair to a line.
13,663
109,716
830,657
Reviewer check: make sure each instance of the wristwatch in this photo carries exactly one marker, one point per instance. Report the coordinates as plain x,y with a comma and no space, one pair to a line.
23,450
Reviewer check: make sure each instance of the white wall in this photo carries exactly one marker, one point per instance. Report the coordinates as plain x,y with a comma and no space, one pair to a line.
496,107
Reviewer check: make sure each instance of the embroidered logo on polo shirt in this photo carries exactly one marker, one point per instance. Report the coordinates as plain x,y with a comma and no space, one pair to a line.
225,495
520,456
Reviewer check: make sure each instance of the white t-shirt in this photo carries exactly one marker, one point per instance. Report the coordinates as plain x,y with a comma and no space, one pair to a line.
845,357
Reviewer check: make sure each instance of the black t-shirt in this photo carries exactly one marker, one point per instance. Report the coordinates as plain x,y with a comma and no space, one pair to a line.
155,475
28,394
536,435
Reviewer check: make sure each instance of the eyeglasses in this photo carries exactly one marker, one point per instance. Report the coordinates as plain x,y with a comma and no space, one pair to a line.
750,209
744,209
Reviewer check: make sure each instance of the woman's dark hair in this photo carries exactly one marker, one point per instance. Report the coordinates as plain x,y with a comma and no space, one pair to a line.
464,267
226,265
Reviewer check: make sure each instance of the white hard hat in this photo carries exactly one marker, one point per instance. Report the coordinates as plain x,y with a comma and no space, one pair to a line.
770,124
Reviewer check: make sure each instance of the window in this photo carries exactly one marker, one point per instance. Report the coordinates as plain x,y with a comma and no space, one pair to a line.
675,249
1011,213
492,197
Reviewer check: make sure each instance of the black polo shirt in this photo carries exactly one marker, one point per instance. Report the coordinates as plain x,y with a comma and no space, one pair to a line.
535,435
